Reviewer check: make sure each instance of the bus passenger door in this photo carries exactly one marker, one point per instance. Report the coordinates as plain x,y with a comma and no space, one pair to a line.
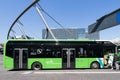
20,58
68,58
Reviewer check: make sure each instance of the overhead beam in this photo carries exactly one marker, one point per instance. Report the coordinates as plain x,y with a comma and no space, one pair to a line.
33,3
110,20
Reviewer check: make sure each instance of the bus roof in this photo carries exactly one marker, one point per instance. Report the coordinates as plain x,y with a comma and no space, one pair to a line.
76,40
12,41
59,40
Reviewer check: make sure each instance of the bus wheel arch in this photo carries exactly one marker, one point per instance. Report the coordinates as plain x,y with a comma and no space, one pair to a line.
36,65
95,65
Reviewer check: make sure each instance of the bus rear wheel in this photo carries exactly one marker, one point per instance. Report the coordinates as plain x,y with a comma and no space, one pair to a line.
36,66
95,65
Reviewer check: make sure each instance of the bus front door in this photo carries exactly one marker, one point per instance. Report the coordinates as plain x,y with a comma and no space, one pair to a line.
68,58
20,58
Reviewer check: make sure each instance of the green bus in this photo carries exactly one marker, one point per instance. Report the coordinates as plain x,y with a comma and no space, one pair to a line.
51,54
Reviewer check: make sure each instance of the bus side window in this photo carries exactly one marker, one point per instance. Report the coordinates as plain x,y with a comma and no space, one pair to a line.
33,52
95,51
53,52
36,53
48,53
57,53
81,52
118,50
9,52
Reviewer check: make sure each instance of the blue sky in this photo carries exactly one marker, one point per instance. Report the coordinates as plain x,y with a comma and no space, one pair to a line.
70,13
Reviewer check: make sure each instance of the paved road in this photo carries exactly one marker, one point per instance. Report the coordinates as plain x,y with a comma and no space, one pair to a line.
60,75
81,74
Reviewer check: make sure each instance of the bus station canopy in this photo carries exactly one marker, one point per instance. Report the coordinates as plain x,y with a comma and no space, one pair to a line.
110,20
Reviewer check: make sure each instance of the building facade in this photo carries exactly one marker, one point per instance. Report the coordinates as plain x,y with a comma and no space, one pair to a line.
70,33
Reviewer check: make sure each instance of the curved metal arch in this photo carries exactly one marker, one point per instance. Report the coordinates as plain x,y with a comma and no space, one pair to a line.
32,4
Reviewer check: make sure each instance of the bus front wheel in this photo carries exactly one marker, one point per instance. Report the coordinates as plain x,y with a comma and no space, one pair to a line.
95,65
36,66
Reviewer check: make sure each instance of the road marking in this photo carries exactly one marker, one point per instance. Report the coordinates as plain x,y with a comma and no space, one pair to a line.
36,72
75,72
27,72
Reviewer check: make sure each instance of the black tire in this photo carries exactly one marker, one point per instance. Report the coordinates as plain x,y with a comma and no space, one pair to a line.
95,65
36,66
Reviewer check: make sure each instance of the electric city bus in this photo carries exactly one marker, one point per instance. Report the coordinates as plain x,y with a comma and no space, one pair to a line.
51,54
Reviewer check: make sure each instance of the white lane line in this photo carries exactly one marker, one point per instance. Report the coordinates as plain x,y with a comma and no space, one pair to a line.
36,72
27,72
76,72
